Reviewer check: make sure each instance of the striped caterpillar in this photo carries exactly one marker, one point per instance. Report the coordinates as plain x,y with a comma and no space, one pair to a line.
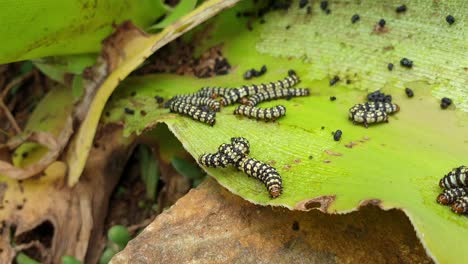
236,154
450,195
228,154
235,94
196,101
264,172
267,114
460,206
458,177
369,117
276,94
389,108
194,112
213,92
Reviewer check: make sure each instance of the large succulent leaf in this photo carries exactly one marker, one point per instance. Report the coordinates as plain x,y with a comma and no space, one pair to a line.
394,165
33,29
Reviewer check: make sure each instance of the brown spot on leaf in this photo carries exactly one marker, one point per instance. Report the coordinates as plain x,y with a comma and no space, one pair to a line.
321,203
332,153
287,167
326,161
297,161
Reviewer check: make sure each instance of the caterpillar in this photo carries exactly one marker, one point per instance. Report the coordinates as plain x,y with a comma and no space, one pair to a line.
275,94
228,154
194,112
245,90
450,195
214,160
389,108
460,206
213,92
199,101
369,117
458,177
267,114
264,172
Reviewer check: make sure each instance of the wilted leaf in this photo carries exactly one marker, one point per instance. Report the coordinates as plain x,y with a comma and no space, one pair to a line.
258,234
394,165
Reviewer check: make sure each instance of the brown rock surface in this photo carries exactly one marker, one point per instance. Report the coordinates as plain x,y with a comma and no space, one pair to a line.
212,225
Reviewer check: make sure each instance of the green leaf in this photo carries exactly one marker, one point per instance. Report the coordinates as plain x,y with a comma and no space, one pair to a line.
186,168
183,8
107,255
149,170
119,235
37,29
61,67
394,165
22,258
70,260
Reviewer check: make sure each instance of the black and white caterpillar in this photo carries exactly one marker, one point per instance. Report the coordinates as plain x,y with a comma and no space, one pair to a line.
267,114
388,108
276,94
460,206
196,101
193,111
450,195
245,90
369,117
264,172
458,177
235,154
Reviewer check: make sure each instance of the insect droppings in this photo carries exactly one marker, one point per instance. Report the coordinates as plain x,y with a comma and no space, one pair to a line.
407,63
445,102
324,5
159,99
409,92
355,18
390,66
337,135
129,111
401,9
332,98
382,22
334,80
450,19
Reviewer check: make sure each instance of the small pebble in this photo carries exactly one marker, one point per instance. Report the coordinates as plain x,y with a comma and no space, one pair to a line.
129,111
382,22
390,66
409,92
337,135
445,102
355,18
450,19
401,9
407,63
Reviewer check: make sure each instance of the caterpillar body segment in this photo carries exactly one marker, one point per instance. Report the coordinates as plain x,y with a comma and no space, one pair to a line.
264,172
266,114
193,111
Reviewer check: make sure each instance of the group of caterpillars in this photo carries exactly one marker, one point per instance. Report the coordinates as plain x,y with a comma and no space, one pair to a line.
236,154
455,194
375,111
202,105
